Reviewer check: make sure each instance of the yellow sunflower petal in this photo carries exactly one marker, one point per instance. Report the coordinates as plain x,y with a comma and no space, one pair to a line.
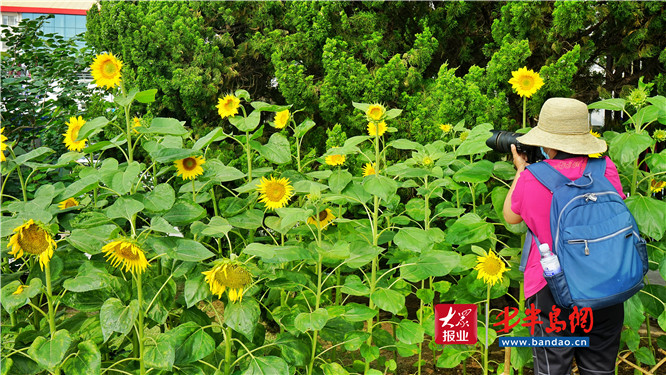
275,193
73,127
228,106
525,82
106,70
281,119
189,167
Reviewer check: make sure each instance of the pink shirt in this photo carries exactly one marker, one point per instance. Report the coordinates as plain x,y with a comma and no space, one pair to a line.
531,200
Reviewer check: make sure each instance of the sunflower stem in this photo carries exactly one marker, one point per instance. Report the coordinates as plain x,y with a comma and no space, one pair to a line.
194,193
249,156
128,133
485,349
139,292
49,299
524,112
227,351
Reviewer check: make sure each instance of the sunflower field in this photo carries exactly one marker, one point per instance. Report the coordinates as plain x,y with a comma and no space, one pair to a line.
154,256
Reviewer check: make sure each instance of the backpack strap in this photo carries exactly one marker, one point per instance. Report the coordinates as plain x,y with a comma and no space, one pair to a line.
548,176
527,247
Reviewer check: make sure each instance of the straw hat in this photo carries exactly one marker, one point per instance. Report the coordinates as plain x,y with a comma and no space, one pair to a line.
564,125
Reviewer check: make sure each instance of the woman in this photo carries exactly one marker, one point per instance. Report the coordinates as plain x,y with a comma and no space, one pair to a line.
563,133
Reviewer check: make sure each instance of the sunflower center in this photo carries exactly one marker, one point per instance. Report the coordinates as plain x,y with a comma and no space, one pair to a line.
492,267
323,215
33,240
275,191
189,163
234,278
126,253
70,203
528,81
75,132
109,68
229,105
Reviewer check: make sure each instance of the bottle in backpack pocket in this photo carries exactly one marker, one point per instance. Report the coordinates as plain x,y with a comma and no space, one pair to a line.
549,261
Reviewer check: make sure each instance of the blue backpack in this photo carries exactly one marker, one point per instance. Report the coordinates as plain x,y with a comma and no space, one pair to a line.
595,237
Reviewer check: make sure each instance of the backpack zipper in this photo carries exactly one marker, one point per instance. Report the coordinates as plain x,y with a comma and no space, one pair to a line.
587,249
587,196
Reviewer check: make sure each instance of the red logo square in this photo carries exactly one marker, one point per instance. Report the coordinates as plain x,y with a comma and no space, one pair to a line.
455,323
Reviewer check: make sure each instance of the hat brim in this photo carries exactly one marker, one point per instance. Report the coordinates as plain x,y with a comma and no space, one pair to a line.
578,144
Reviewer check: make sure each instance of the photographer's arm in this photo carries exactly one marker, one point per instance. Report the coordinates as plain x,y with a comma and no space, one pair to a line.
520,161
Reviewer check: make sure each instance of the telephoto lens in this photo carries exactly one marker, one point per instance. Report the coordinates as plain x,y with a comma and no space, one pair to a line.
501,141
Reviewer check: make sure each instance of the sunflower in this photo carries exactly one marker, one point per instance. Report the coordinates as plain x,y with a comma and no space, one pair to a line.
659,135
446,128
127,254
190,167
374,128
369,169
230,276
275,193
3,146
427,161
68,203
335,159
19,290
137,123
657,186
525,82
281,119
106,70
325,217
73,127
490,268
228,106
32,238
463,136
375,112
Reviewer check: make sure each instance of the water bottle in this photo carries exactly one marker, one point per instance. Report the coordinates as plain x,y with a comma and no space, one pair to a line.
549,261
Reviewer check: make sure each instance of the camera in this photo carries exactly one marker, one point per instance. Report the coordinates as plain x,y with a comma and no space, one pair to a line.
501,141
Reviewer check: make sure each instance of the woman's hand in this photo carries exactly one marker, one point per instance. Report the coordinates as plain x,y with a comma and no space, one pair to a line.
519,160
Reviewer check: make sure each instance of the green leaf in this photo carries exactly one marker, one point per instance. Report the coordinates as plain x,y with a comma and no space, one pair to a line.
88,360
656,162
91,240
388,300
92,127
214,135
469,229
123,181
218,227
88,278
169,155
124,100
246,124
498,196
161,198
361,254
475,173
116,317
49,353
333,369
650,215
160,353
412,239
80,186
313,321
434,263
291,216
267,365
124,208
222,173
355,312
250,219
410,332
12,302
303,128
277,150
189,251
392,113
164,126
627,147
405,144
195,290
243,316
644,355
610,104
338,180
195,346
452,356
475,143
381,186
354,286
146,96
185,212
277,254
